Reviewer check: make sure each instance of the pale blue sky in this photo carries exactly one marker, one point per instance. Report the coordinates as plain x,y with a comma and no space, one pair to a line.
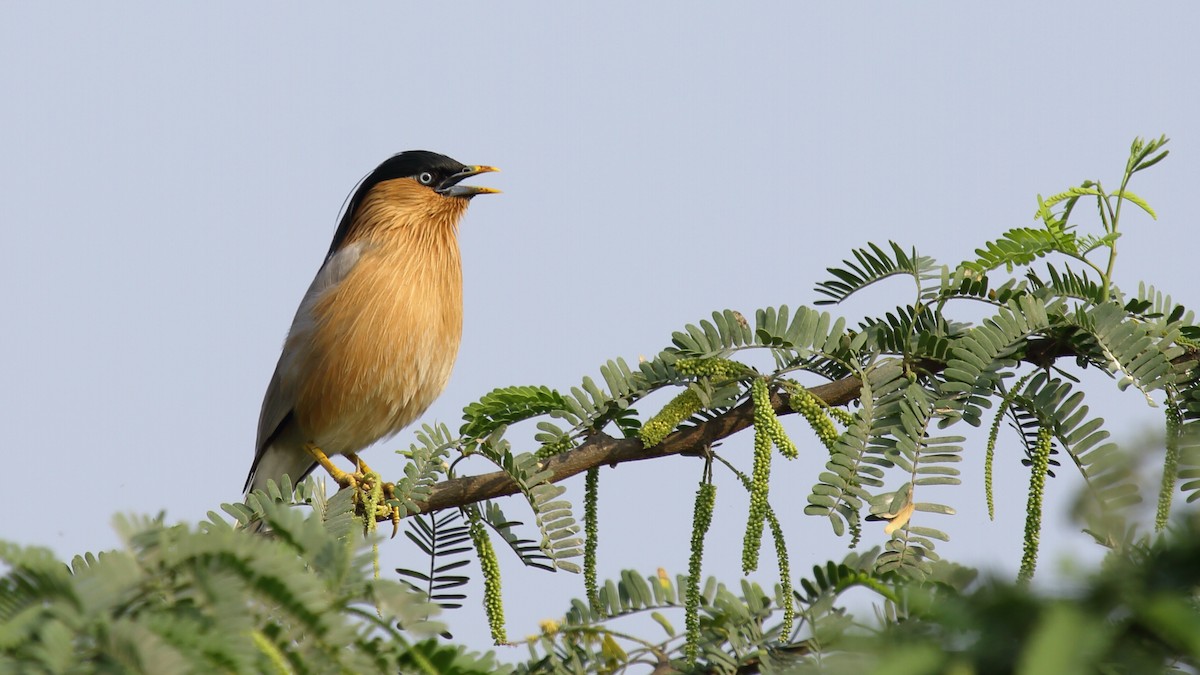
172,176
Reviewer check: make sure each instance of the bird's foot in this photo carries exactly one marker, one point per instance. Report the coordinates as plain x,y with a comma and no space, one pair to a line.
342,478
371,493
376,495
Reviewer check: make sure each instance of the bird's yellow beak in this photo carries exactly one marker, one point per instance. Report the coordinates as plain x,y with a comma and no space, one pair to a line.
451,188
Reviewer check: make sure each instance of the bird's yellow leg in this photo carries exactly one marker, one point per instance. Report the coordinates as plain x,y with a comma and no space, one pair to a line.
341,477
389,492
360,464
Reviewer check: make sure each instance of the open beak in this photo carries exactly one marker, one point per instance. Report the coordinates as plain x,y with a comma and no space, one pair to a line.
451,188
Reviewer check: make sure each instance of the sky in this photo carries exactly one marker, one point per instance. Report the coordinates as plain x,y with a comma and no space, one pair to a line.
172,175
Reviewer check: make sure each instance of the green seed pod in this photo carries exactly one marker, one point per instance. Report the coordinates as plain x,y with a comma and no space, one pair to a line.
706,499
803,402
1170,468
760,477
493,602
1033,518
683,406
592,533
714,367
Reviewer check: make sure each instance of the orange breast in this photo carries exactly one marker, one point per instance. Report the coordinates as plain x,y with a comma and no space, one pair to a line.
384,339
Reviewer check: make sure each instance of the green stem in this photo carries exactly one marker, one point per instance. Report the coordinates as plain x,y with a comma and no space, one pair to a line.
596,630
1094,266
1115,218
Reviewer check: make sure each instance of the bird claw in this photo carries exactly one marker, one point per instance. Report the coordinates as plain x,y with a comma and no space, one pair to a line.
376,500
371,494
390,508
387,512
386,506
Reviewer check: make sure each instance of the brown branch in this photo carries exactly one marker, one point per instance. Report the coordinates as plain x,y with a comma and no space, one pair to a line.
601,449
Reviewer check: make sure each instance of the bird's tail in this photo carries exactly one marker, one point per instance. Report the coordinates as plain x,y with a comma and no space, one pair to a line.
275,463
284,455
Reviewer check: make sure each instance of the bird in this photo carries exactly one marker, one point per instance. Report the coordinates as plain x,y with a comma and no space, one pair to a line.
376,335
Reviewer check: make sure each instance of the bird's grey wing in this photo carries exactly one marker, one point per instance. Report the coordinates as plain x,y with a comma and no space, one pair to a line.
278,443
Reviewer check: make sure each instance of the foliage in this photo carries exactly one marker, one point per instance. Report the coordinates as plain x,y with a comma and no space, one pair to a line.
919,369
180,598
439,537
1138,614
217,598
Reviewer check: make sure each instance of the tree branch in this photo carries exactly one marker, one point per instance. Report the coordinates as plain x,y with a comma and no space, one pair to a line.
601,449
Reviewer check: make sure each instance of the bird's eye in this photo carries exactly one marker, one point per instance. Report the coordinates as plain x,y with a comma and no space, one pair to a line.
425,178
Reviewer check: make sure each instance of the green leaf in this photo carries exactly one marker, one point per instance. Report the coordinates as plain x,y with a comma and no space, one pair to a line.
869,266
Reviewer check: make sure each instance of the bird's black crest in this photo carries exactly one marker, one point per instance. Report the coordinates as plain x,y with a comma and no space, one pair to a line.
403,165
